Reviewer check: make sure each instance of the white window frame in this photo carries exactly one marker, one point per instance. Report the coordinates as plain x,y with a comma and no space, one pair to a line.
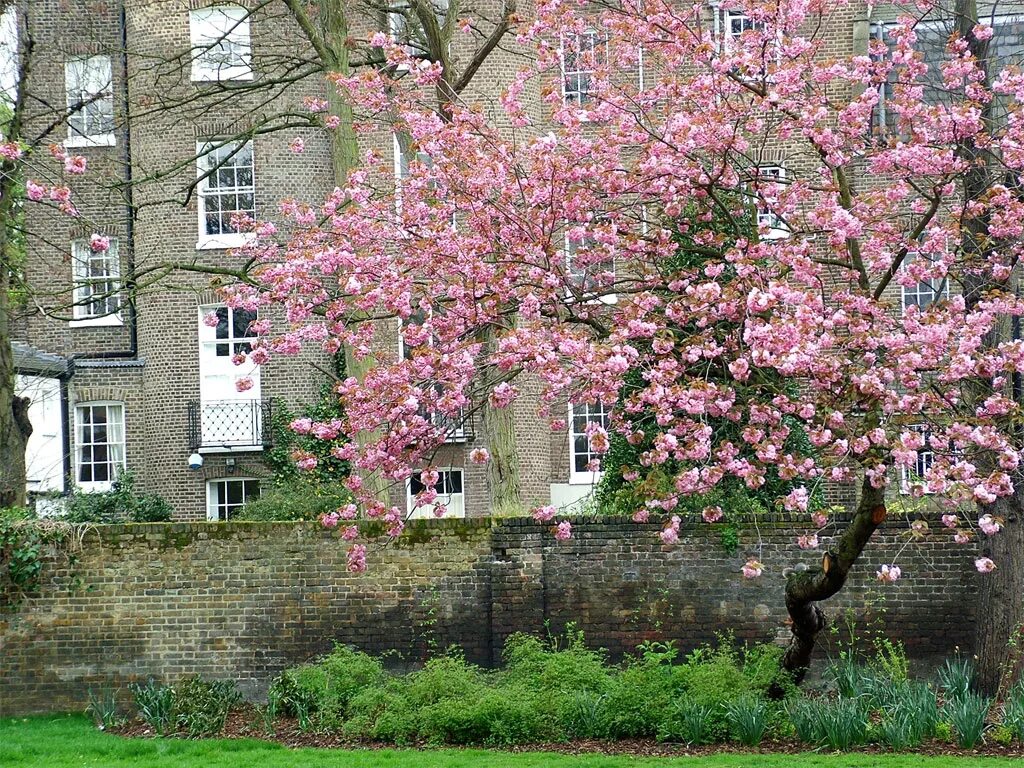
940,294
455,502
82,258
602,417
215,505
458,433
224,240
115,448
776,227
576,286
95,92
925,459
581,97
215,26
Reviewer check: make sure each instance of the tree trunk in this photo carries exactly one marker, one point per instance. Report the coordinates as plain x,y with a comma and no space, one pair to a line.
1000,607
805,589
503,486
15,427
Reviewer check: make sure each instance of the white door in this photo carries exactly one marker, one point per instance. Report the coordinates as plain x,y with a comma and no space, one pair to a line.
44,454
228,418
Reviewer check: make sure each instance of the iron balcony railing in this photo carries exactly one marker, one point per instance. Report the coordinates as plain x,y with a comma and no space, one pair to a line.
229,424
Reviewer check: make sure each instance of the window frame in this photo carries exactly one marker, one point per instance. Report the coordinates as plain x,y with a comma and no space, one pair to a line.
201,45
583,97
937,295
115,464
81,318
213,508
427,511
574,286
585,477
224,240
81,138
906,482
776,227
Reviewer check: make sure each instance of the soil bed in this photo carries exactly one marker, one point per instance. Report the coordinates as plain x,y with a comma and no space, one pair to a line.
244,723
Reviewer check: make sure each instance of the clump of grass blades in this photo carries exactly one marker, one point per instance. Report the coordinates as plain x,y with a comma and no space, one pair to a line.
748,719
967,714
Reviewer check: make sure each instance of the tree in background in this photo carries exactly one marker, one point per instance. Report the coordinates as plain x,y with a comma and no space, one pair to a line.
554,237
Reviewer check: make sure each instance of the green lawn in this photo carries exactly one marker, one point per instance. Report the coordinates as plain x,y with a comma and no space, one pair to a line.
70,741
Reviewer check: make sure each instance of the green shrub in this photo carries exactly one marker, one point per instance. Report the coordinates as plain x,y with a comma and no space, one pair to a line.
967,713
382,713
944,732
322,690
121,504
155,704
1002,735
641,696
851,679
900,730
201,707
295,500
542,666
748,719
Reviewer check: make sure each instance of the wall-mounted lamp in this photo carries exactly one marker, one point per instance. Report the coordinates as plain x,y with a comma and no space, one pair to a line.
229,465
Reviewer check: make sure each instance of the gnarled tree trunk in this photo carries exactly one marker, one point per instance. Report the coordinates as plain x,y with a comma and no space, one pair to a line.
806,589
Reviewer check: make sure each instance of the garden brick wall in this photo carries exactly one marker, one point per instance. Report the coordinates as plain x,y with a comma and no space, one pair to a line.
244,600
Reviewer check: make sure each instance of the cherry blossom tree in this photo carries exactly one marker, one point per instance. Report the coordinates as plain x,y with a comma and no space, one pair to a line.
574,249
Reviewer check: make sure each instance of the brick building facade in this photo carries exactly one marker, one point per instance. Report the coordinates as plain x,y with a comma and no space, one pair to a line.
187,116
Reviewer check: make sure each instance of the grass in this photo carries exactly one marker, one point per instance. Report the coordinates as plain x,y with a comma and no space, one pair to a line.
71,741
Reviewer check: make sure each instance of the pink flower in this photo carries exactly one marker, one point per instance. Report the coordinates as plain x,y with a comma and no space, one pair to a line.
306,463
10,151
669,535
244,384
796,500
297,145
807,541
350,533
34,191
74,164
564,531
630,475
99,243
752,569
962,537
949,521
982,32
210,320
440,510
301,426
989,525
711,514
918,528
641,516
820,519
503,395
544,514
357,559
332,121
479,455
889,573
984,565
329,520
348,512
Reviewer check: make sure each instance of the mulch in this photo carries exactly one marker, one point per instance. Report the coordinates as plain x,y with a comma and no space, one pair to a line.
244,723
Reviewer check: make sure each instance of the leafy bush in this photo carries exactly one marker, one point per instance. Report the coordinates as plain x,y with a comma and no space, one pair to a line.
641,695
322,690
121,504
544,666
155,704
967,713
748,719
295,500
201,707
